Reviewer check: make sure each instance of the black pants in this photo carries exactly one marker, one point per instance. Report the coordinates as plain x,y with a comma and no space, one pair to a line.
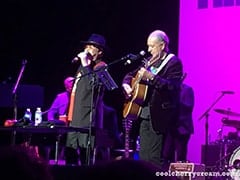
150,144
72,156
175,147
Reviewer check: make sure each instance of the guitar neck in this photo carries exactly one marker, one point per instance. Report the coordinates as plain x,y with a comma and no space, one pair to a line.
146,65
128,125
126,150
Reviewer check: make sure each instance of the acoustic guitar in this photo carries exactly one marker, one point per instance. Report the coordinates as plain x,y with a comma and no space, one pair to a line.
133,105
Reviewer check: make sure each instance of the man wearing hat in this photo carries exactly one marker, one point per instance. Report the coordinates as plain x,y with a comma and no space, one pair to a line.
86,101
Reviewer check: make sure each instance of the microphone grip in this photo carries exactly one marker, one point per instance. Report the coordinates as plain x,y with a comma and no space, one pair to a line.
85,57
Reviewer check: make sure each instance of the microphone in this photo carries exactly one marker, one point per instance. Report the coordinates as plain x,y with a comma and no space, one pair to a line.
130,58
81,55
227,92
75,59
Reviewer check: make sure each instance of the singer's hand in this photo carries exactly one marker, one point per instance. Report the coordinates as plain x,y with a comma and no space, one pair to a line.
85,57
145,74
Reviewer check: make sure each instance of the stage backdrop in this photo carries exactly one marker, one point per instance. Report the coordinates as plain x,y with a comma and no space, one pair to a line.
209,48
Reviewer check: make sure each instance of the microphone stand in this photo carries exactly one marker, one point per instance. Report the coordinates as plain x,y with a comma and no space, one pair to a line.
14,92
206,115
92,112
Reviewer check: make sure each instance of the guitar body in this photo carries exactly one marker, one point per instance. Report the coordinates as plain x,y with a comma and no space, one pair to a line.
132,107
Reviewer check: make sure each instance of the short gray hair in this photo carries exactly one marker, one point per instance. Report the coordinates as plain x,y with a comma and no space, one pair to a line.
162,36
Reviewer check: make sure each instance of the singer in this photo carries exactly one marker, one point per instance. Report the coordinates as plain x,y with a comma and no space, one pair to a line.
86,101
159,101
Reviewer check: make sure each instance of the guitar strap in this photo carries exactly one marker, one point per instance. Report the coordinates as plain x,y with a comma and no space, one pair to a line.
155,70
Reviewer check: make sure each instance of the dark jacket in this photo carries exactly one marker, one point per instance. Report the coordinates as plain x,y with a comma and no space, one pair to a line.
163,97
88,98
185,124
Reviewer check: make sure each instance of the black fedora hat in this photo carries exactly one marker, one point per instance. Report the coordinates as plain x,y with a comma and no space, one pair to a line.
97,40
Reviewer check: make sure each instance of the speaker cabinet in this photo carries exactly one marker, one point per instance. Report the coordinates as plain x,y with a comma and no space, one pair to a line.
210,156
